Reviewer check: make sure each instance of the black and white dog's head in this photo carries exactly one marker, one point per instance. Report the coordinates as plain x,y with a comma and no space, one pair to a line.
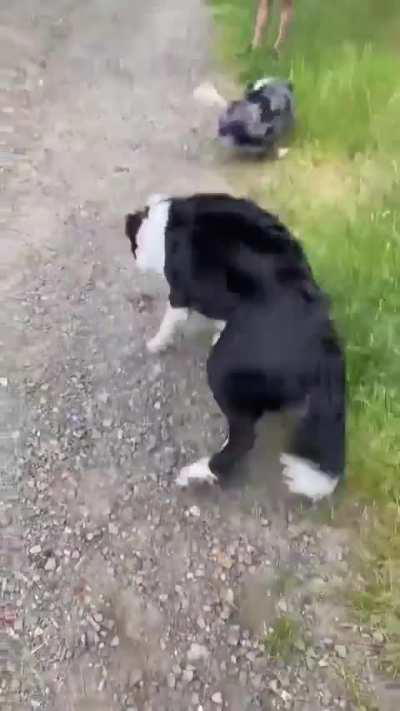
145,230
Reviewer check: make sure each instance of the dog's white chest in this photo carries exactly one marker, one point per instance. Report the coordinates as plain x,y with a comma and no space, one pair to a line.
150,254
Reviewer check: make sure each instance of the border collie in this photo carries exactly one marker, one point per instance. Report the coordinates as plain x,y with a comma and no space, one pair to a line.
275,345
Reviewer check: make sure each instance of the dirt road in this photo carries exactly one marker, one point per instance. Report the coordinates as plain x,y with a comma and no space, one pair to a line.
122,592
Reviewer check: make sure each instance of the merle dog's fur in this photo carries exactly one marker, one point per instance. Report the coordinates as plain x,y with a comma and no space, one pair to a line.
261,120
231,260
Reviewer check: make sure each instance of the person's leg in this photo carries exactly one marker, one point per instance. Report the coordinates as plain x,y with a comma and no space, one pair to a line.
261,23
286,16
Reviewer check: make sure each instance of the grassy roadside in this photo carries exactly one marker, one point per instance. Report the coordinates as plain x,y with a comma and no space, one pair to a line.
340,191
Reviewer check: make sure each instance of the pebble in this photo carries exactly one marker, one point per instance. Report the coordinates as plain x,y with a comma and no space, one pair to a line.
50,564
187,675
195,511
115,641
217,698
197,652
35,550
341,651
234,636
135,677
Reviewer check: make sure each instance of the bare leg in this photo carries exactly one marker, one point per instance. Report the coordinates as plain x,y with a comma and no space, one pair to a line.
284,23
261,23
168,327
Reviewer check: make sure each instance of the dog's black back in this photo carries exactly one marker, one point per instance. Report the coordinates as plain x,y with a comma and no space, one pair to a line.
221,251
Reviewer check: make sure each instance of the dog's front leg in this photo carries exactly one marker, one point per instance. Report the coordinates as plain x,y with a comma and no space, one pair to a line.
168,327
240,440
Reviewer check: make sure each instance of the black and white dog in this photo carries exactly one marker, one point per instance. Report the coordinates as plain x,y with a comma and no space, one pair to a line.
275,345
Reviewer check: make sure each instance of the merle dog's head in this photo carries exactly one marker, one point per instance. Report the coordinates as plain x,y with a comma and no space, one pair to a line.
133,223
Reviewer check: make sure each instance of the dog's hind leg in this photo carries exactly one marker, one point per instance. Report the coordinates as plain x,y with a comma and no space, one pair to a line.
240,440
173,317
316,462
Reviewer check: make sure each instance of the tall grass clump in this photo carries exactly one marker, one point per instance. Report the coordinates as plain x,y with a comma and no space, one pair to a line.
357,258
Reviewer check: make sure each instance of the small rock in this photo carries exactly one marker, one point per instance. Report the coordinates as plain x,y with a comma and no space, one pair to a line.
50,564
197,652
135,677
225,561
229,597
234,636
285,696
35,550
103,397
282,605
217,698
115,641
201,623
195,511
341,651
274,686
187,675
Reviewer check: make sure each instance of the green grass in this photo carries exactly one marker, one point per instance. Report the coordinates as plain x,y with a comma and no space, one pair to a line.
283,639
339,190
377,599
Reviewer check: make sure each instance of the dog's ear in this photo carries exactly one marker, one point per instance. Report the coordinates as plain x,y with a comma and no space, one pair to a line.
132,226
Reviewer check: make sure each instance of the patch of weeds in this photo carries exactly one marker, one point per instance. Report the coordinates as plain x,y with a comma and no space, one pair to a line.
283,638
377,599
356,692
284,583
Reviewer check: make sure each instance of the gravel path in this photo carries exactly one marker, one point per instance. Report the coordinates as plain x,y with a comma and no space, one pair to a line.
118,591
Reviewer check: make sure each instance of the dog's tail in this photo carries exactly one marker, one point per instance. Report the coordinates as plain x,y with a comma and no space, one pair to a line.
208,95
316,461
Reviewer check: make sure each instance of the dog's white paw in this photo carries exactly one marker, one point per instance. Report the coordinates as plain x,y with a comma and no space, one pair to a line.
155,345
196,472
305,479
207,94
